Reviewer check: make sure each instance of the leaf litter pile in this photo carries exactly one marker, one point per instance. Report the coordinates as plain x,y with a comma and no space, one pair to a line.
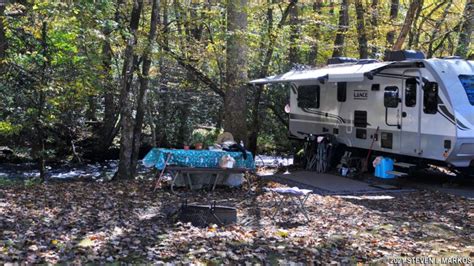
127,222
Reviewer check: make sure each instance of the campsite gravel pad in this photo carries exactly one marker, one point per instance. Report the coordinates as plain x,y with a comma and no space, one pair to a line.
330,184
81,222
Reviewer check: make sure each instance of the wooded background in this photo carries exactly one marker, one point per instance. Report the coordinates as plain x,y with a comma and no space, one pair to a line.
81,80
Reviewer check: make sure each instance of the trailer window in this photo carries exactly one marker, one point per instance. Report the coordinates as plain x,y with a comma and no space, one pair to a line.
308,96
430,97
410,92
341,91
467,82
391,97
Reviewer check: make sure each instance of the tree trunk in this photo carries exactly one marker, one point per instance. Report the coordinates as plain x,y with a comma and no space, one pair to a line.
394,6
109,125
415,30
435,30
91,112
342,29
374,24
313,53
331,7
424,19
3,38
255,126
415,4
361,33
39,147
110,117
125,170
235,101
144,81
293,55
466,30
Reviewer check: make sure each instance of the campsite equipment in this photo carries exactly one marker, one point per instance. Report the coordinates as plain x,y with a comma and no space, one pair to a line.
422,107
204,215
365,163
383,166
224,137
344,171
226,161
293,196
157,184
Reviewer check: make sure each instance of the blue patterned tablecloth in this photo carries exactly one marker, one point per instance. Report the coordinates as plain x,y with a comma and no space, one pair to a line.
195,158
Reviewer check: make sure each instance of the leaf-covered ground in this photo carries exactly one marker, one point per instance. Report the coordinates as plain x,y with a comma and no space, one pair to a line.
128,222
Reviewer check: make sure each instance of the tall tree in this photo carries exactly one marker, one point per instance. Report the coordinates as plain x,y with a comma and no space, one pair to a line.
394,6
235,101
39,147
407,24
144,81
126,95
435,31
313,53
293,55
374,21
361,31
3,39
109,124
466,30
267,56
342,29
414,32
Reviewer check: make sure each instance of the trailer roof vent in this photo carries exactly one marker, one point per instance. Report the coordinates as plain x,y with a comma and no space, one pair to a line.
451,57
403,55
367,61
341,60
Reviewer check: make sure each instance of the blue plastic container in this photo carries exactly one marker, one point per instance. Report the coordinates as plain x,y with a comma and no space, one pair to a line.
385,165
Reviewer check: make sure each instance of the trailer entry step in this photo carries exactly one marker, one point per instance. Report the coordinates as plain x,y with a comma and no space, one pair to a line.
396,173
404,165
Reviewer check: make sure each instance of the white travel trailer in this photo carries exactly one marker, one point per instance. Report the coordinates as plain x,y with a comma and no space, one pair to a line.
405,106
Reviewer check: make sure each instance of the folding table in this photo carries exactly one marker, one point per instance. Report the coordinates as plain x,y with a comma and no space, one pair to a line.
294,196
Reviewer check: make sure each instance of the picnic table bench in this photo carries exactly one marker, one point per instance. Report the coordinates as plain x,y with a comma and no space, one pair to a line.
185,173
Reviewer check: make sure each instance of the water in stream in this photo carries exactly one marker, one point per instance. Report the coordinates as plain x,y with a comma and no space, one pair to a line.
105,170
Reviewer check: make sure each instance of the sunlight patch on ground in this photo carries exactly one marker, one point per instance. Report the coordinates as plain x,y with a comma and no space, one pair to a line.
381,197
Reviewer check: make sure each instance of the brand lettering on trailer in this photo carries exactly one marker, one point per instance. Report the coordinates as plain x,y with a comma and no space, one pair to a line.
361,94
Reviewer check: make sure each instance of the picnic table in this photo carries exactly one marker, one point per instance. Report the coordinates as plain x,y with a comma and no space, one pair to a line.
184,163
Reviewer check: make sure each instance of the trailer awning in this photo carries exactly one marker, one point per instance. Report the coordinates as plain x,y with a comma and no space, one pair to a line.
332,73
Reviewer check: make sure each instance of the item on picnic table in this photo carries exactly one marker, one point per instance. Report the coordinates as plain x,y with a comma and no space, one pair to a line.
226,161
226,142
225,137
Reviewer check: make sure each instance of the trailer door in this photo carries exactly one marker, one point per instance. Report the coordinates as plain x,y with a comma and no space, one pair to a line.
410,138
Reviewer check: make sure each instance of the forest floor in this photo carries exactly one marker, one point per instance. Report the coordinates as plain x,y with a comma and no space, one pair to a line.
126,221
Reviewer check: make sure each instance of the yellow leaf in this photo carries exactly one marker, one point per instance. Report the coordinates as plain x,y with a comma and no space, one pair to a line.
86,242
282,233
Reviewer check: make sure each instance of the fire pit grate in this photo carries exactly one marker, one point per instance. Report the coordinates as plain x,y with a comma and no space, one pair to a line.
204,215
